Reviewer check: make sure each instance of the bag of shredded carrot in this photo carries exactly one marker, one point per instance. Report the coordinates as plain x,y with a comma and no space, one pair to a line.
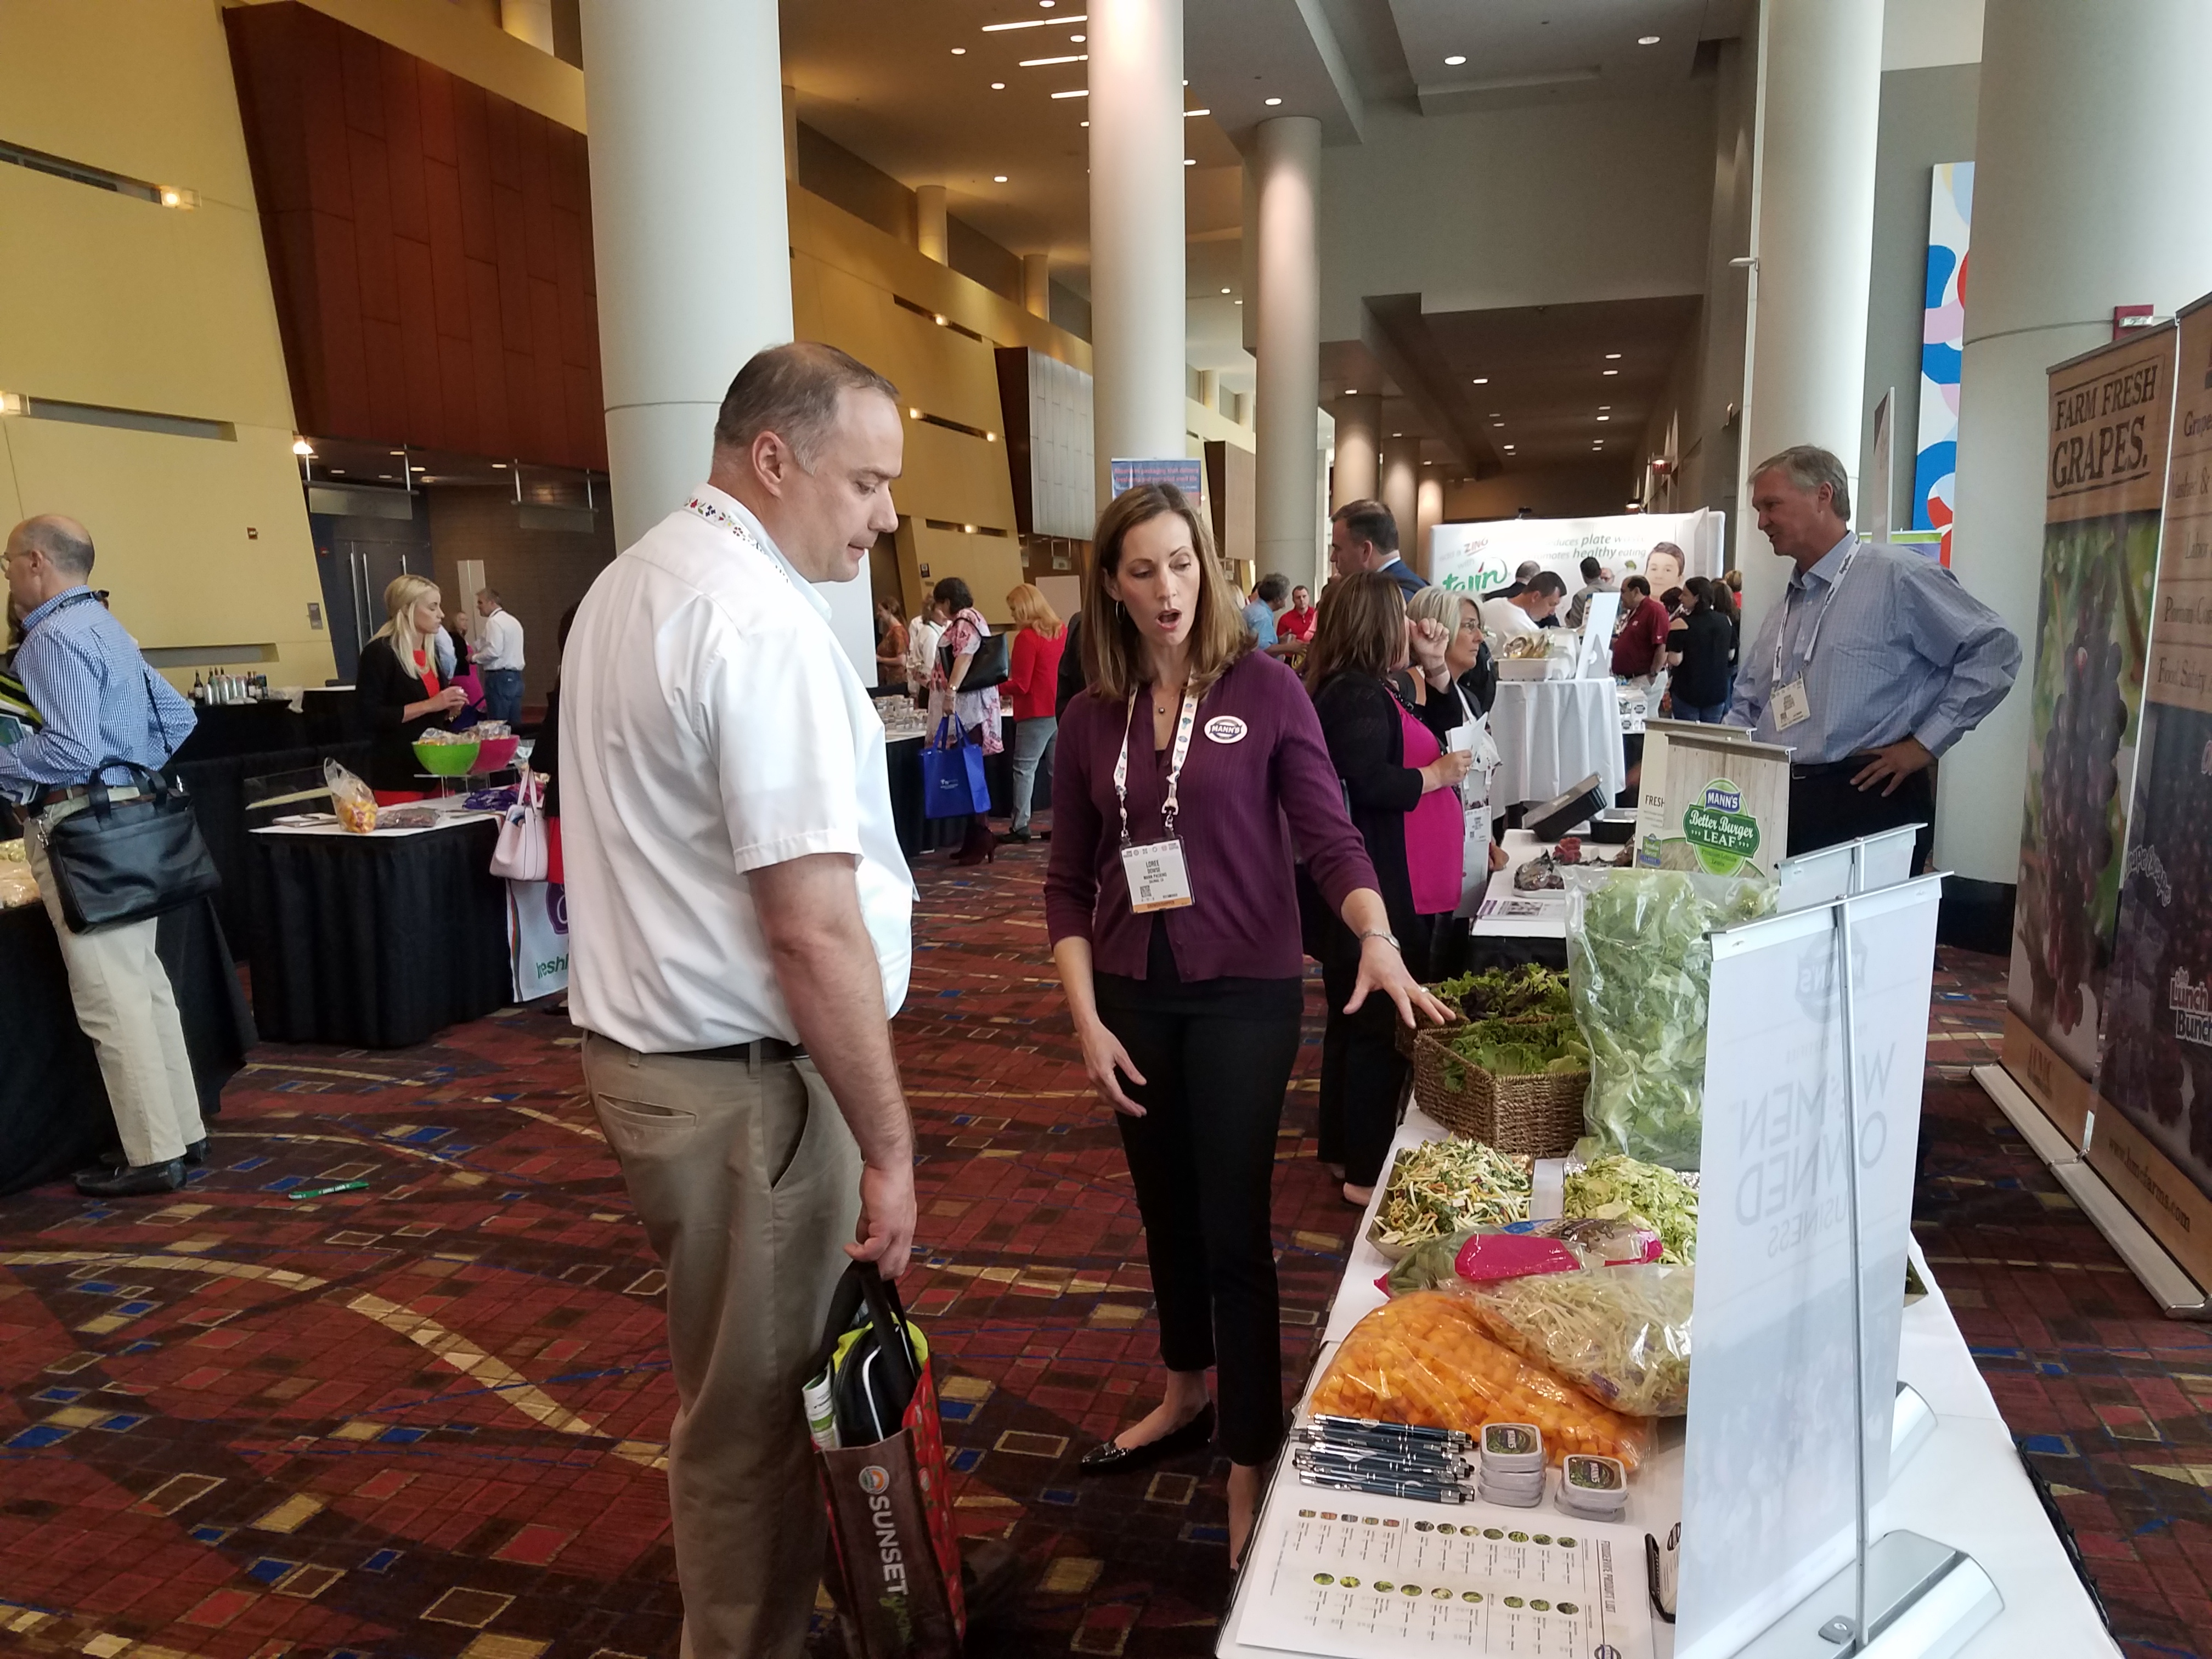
1424,1358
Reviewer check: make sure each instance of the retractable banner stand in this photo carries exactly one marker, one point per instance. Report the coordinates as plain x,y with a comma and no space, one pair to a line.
1474,558
1790,1384
2109,416
2152,1141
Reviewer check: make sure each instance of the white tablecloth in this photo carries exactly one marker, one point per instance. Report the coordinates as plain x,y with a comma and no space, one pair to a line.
1551,734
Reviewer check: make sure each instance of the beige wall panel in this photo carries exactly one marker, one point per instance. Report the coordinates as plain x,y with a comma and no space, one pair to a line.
137,87
953,477
990,565
138,307
170,518
935,370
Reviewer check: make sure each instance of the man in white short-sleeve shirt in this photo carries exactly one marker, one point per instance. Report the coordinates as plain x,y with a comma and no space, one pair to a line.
738,915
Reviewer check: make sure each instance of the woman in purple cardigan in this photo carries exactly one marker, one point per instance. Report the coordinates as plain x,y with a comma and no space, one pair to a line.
1187,769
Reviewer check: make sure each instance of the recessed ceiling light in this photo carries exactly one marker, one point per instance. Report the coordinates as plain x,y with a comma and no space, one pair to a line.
998,86
1046,63
998,177
499,466
384,477
1272,102
1612,356
1086,124
1605,417
959,51
1187,113
1190,160
1605,405
1397,434
1079,38
914,414
1032,23
301,446
1239,302
1509,448
1079,92
1647,39
1455,60
1482,379
1224,290
1352,391
1612,371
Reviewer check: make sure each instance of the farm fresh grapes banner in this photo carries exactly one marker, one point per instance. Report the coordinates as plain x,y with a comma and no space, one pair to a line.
2110,412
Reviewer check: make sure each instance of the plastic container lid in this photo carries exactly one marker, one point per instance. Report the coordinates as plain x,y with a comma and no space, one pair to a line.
1513,1500
1512,1447
1594,1479
1515,1480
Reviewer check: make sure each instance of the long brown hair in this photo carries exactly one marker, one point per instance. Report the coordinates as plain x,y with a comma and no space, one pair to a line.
1113,653
1360,629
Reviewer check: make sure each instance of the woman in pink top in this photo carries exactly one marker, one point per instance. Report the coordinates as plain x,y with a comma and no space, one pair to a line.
1032,674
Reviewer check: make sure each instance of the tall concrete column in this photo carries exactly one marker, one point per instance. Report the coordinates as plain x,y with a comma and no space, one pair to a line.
1286,288
1036,285
1428,514
930,236
1812,201
687,107
2090,158
1357,474
1400,489
1137,325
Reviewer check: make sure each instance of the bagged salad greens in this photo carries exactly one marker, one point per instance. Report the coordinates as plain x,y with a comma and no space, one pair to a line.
1620,1335
1614,1188
1638,967
1441,1187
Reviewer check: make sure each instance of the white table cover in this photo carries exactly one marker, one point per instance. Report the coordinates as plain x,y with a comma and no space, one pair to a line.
1551,734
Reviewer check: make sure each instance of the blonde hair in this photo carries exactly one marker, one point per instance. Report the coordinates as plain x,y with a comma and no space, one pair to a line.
1438,605
401,595
1031,609
1112,655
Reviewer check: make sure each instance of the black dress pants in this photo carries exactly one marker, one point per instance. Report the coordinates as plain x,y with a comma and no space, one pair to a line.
1363,1075
1217,1056
1824,809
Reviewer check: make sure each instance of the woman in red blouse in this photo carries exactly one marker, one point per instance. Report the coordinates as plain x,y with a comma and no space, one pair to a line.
1032,674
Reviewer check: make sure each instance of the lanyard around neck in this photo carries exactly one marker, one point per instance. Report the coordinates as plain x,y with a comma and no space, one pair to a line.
1172,805
736,526
1788,608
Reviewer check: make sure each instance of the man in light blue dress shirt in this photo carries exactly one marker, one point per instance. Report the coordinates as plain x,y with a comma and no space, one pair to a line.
1872,664
97,699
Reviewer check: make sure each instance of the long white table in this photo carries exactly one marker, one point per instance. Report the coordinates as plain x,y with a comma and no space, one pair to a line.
1964,1487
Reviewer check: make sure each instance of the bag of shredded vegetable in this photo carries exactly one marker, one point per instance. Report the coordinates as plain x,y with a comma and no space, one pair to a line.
1621,1333
1423,1359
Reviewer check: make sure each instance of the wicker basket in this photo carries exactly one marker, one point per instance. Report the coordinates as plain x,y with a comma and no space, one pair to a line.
1537,1116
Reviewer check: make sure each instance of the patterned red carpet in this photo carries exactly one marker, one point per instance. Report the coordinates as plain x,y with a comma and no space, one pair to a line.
426,1418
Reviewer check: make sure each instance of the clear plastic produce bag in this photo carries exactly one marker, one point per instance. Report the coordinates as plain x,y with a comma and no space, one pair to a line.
1620,1335
1638,968
1423,1359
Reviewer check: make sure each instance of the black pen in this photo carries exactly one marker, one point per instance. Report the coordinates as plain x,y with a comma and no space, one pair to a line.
1361,1462
1326,1424
1420,1490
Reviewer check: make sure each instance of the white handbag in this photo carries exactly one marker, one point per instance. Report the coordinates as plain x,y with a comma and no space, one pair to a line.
521,854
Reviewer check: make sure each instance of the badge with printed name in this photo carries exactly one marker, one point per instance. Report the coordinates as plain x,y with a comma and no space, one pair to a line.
1159,880
1791,706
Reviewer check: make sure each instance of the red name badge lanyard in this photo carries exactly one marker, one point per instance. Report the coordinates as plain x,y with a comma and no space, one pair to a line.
1158,879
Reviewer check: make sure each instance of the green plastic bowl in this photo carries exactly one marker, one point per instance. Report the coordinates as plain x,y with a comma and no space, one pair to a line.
447,760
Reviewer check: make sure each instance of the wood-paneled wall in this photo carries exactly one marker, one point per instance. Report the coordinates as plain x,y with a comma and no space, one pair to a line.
429,245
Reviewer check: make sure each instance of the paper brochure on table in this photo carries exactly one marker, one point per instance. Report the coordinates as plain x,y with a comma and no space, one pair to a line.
1357,1577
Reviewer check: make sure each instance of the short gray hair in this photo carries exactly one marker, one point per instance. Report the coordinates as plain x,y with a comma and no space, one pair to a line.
1528,569
1809,467
69,553
792,392
1274,588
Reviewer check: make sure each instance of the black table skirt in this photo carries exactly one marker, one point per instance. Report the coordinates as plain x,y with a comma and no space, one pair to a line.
223,730
217,788
918,834
377,943
54,1115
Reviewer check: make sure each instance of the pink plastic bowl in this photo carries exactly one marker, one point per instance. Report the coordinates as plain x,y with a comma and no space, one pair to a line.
495,754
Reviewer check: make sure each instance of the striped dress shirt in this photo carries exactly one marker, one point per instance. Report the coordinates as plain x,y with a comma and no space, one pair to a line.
1889,646
95,694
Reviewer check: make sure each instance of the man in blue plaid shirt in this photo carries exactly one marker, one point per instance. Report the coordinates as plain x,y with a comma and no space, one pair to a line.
96,699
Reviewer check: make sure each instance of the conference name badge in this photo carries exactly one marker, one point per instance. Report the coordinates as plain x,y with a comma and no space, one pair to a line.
1158,879
1791,706
1226,729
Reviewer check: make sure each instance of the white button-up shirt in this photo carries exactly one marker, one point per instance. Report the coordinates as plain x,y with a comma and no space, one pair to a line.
711,726
499,641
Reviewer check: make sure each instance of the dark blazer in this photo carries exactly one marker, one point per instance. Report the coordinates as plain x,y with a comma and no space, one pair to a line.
1367,742
381,694
1410,581
1070,668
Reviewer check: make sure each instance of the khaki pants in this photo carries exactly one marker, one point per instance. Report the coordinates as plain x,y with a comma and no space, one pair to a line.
748,1182
126,1005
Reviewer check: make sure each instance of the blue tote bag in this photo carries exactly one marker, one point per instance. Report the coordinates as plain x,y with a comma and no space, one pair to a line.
952,782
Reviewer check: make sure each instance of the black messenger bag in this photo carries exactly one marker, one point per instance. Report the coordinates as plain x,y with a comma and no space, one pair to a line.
119,861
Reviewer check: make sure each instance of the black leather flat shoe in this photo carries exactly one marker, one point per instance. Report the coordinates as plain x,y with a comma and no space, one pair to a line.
1110,1459
132,1180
